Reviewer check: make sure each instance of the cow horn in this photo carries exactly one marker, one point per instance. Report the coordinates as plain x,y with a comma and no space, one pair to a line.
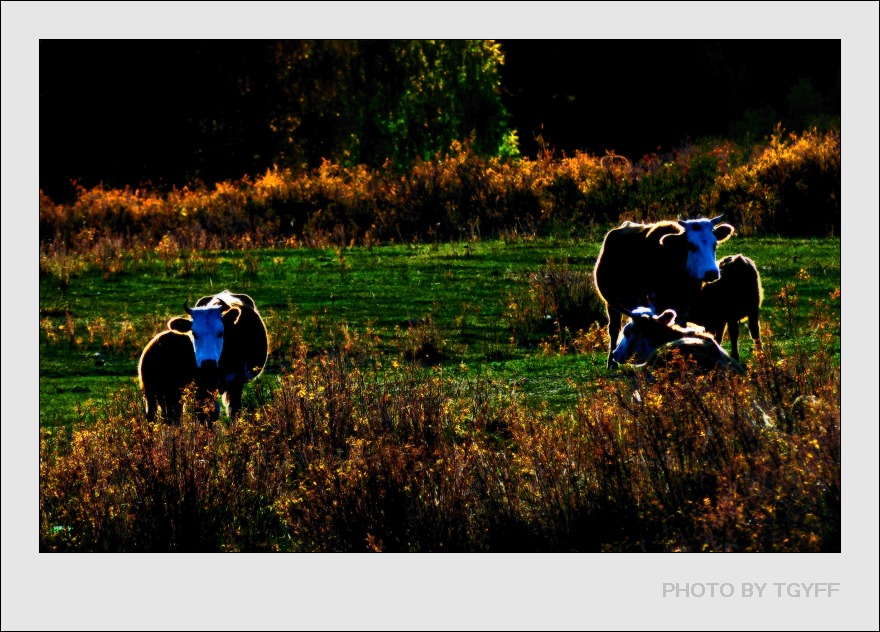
187,308
621,310
715,220
237,310
221,303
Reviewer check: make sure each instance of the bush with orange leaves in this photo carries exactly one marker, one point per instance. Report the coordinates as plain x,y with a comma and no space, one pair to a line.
789,187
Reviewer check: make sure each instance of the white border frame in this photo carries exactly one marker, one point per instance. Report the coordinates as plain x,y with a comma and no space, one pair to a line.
489,591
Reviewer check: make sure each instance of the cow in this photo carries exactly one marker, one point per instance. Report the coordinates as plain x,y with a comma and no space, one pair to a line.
737,294
661,265
651,339
230,344
167,366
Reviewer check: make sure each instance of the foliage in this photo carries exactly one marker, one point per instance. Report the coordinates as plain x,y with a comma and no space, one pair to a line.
388,102
790,187
556,299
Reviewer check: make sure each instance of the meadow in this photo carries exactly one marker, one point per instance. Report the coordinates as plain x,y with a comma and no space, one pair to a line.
437,390
519,309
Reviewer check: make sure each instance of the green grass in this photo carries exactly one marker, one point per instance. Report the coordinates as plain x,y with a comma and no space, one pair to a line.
457,292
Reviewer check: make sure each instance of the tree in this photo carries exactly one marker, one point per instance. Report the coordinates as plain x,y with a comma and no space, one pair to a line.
370,101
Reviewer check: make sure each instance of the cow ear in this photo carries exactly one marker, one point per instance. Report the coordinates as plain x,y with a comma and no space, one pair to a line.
668,317
181,325
231,316
722,232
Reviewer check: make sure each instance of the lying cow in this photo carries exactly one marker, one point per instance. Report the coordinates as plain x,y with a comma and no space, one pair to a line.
737,294
661,265
650,340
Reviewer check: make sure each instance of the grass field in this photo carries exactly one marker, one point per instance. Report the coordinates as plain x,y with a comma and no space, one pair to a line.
474,304
436,397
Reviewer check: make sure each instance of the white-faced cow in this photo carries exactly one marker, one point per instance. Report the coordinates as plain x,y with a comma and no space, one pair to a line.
661,265
230,344
222,346
650,340
737,294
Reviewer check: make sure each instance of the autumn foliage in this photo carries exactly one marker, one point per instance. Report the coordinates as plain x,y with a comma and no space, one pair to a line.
791,186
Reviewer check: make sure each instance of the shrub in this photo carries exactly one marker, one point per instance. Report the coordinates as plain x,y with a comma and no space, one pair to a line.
558,299
791,187
341,454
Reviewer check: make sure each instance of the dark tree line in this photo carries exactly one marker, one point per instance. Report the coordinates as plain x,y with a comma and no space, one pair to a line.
170,112
633,96
377,101
167,112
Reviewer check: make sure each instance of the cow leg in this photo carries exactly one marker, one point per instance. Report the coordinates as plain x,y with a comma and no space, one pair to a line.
173,409
152,407
232,400
733,332
754,330
614,321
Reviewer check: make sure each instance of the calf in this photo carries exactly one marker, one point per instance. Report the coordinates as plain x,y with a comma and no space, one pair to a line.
737,294
652,339
167,366
661,265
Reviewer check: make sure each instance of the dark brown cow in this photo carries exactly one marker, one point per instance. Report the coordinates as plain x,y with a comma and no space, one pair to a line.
167,366
661,265
737,294
651,340
230,344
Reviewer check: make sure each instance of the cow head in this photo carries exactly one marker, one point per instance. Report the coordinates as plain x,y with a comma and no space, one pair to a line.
700,237
643,334
208,326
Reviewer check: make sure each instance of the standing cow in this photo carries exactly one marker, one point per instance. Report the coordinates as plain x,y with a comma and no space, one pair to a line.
220,347
737,294
167,366
661,265
230,343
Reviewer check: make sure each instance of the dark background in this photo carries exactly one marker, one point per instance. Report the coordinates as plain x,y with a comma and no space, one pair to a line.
634,97
144,112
